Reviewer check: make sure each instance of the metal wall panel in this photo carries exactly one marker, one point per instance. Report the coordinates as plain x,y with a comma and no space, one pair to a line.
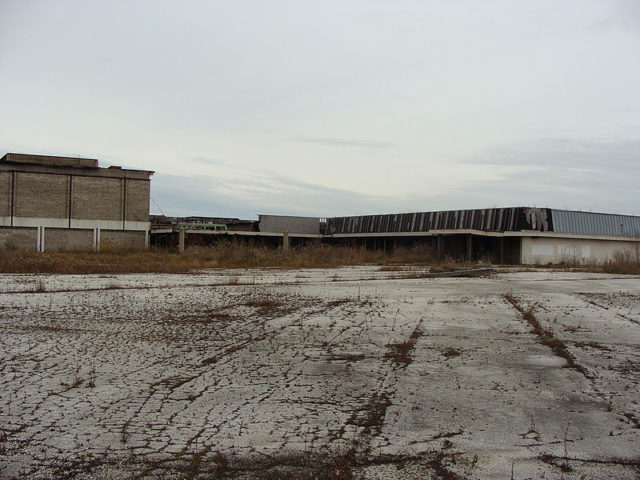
588,223
282,223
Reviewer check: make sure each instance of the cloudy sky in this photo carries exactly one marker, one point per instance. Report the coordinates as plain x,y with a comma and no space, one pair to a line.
334,107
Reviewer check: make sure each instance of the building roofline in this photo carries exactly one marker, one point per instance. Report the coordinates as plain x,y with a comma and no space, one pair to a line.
483,209
59,162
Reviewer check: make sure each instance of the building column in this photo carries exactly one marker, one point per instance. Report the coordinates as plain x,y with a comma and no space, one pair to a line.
285,241
469,247
501,252
181,241
440,246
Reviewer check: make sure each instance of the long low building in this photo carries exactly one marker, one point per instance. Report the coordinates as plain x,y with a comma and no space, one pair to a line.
522,235
65,203
515,235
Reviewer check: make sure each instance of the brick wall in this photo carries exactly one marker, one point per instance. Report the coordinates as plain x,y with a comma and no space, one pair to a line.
5,194
41,195
97,198
138,200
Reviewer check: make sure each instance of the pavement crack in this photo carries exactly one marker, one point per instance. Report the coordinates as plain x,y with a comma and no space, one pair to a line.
547,337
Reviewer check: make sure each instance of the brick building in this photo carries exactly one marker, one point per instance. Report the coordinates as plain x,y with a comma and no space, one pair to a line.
62,203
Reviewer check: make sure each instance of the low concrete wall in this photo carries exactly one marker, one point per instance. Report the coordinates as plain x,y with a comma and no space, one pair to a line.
58,239
542,250
122,239
282,223
19,238
69,239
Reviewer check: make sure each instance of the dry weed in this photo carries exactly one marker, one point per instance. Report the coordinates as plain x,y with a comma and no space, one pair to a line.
225,254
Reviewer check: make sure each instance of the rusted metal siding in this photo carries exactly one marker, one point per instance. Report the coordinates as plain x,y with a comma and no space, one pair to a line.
488,219
588,223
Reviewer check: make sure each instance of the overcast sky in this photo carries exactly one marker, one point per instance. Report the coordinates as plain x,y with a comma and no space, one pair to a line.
332,108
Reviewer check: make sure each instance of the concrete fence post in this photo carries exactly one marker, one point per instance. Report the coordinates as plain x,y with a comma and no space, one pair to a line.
40,239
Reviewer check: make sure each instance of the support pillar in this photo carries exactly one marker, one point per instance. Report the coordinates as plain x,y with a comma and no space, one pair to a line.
40,239
501,252
440,246
181,241
469,247
285,241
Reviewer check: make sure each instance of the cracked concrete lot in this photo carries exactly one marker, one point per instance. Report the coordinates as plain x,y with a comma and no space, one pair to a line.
329,374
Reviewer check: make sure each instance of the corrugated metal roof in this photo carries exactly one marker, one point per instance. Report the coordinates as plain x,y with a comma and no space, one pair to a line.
488,219
588,223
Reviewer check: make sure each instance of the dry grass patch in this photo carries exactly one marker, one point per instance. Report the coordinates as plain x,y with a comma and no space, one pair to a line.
225,254
95,262
627,261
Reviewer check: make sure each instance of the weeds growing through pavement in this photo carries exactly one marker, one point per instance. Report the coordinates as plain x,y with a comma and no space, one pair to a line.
401,352
450,352
372,416
546,336
39,287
